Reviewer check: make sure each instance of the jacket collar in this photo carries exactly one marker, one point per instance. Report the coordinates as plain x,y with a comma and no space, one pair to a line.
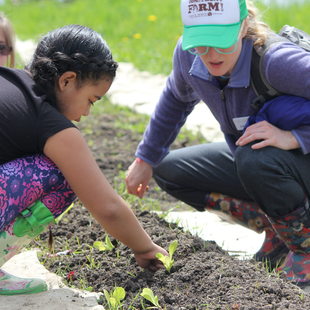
241,74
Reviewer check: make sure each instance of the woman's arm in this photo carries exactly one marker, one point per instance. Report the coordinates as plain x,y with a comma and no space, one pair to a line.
69,151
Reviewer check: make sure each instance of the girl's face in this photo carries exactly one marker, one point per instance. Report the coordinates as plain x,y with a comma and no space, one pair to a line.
223,64
74,100
3,58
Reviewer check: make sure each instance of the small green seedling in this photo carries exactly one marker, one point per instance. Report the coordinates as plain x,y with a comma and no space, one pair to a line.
114,299
148,294
104,246
168,261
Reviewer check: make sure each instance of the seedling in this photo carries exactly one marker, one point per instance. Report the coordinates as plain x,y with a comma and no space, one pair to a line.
168,261
104,246
148,294
91,262
114,299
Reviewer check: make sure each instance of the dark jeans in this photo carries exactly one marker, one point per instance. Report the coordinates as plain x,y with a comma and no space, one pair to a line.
278,180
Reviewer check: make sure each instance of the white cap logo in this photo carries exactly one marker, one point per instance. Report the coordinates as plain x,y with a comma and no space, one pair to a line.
210,12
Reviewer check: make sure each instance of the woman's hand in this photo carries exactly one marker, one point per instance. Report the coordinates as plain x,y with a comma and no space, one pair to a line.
148,259
138,177
268,135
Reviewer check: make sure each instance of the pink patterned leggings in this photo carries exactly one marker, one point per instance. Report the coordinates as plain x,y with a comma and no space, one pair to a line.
26,180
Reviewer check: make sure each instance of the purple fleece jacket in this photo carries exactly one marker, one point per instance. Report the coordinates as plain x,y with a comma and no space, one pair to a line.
287,68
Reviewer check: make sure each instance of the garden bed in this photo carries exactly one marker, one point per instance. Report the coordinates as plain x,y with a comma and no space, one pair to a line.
203,275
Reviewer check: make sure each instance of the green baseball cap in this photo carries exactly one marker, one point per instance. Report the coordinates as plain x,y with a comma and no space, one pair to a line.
214,23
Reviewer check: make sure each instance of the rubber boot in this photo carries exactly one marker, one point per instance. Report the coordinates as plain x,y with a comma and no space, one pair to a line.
273,250
29,224
294,229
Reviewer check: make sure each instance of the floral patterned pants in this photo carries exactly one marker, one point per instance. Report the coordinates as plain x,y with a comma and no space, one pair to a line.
26,180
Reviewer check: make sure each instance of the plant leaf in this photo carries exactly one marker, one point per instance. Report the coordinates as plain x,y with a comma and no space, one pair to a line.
113,302
172,247
99,245
166,260
108,244
119,293
148,294
106,294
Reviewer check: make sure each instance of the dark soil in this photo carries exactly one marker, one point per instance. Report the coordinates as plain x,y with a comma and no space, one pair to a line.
203,275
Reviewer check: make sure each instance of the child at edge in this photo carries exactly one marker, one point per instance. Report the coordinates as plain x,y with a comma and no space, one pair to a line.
44,160
7,42
259,176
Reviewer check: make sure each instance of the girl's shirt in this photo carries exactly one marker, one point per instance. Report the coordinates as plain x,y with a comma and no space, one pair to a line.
27,119
287,68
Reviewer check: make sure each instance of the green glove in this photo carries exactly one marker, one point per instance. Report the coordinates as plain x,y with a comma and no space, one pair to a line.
33,220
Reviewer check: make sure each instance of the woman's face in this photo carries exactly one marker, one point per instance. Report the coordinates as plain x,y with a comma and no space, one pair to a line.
74,100
223,64
3,58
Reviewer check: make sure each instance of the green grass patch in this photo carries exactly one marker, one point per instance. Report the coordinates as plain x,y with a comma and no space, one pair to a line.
143,32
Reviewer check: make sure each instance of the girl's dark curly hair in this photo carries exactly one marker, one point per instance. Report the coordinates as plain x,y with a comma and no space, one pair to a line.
70,48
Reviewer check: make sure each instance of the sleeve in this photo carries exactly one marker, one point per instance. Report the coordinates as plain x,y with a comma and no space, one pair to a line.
49,122
176,102
302,135
287,69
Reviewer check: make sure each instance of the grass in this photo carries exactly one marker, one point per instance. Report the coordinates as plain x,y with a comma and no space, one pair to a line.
143,32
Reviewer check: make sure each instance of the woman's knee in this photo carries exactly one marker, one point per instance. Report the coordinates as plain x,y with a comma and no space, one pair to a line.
254,164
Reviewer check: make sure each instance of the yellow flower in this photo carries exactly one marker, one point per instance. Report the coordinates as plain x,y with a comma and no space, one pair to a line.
152,18
137,36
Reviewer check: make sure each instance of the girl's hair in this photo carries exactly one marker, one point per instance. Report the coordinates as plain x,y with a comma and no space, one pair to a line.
70,48
9,36
257,30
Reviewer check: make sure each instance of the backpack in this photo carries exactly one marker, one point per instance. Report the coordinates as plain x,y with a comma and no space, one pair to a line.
264,91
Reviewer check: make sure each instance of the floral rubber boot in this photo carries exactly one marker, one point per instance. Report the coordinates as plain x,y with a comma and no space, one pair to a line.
294,229
11,285
18,234
248,214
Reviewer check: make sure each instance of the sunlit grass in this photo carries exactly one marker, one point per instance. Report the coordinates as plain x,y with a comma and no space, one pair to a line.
294,14
143,32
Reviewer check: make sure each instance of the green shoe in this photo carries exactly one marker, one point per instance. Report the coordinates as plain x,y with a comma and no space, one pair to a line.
11,285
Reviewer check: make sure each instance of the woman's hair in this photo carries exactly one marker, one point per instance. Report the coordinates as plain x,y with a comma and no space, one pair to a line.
70,48
9,36
257,30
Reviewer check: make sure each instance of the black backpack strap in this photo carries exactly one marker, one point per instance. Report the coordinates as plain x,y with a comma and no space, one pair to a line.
264,91
296,36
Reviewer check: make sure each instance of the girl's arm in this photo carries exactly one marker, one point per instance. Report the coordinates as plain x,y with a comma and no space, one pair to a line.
69,151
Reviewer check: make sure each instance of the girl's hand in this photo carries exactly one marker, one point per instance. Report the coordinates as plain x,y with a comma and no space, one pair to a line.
138,177
268,135
148,260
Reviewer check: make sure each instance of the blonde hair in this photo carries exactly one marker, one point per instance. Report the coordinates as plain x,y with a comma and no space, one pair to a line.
9,36
257,30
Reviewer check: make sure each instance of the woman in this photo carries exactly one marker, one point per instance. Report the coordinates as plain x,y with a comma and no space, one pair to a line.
7,42
44,160
259,175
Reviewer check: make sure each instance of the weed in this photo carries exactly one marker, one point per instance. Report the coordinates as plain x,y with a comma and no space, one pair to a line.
91,262
83,285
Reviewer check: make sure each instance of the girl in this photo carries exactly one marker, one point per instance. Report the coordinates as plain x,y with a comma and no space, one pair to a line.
259,176
44,160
